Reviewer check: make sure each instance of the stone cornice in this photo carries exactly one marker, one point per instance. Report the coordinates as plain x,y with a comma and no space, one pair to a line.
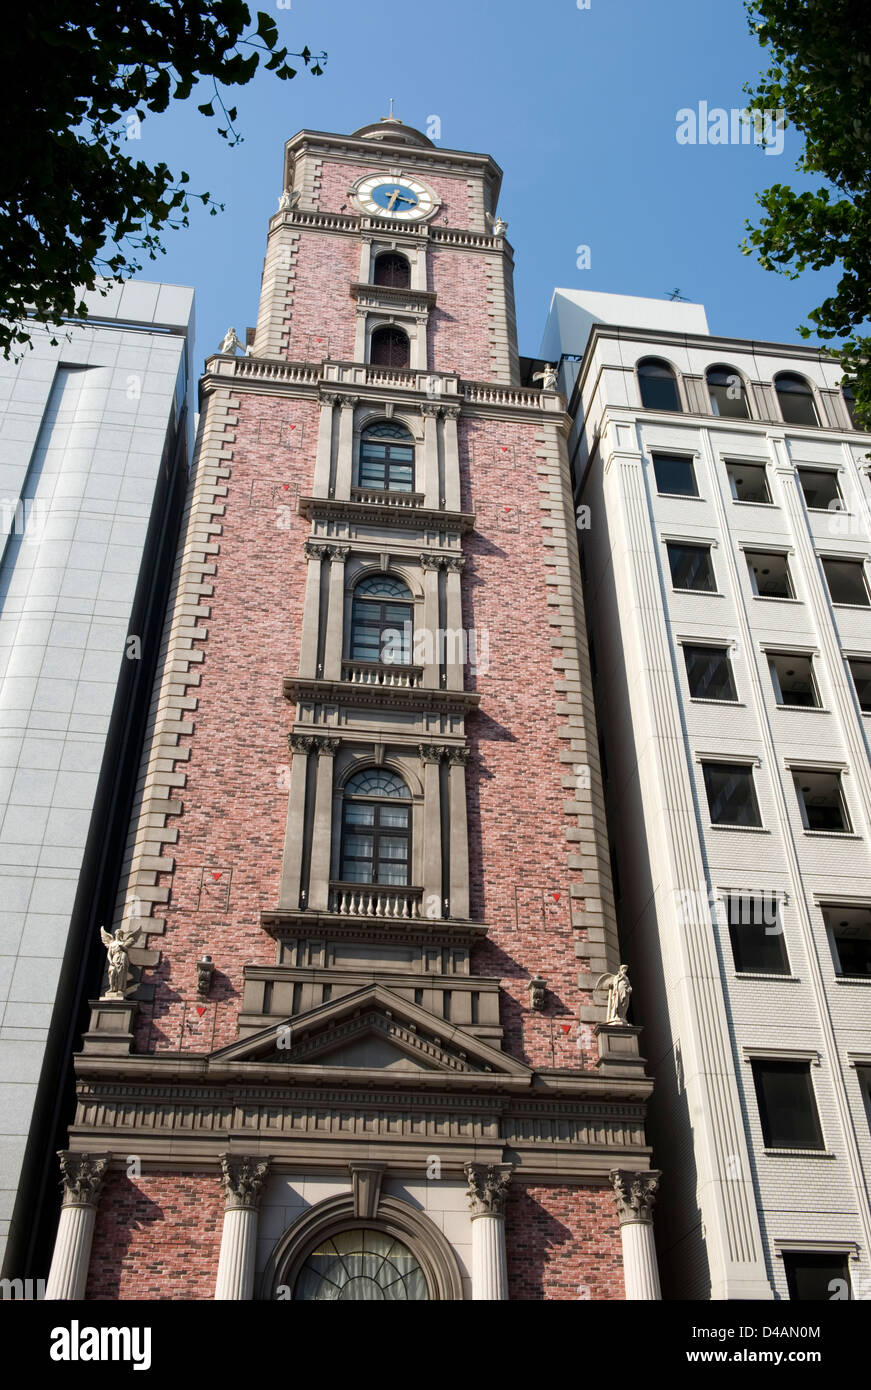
359,150
381,514
287,924
391,296
346,695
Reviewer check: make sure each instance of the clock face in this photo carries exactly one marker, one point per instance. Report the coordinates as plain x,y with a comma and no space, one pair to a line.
402,198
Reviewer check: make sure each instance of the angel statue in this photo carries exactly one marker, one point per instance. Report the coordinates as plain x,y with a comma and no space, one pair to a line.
231,342
548,378
619,990
117,949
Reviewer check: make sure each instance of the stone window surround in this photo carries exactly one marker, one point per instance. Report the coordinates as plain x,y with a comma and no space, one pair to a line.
357,1210
413,325
432,424
371,415
413,248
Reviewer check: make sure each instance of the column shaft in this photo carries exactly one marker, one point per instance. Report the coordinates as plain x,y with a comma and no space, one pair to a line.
308,651
323,460
429,483
489,1260
459,901
432,839
640,1270
319,881
68,1275
235,1278
291,864
452,460
431,626
335,615
345,458
456,644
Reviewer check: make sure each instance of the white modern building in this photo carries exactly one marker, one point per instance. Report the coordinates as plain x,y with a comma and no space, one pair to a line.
94,443
725,536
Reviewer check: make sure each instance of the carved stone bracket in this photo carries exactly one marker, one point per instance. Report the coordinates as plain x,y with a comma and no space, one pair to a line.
300,743
458,755
327,745
635,1193
454,563
329,398
83,1176
488,1185
431,562
339,552
430,408
366,1183
432,752
315,550
242,1180
451,412
349,401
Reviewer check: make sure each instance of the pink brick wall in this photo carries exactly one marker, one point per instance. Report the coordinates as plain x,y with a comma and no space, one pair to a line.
157,1237
322,307
563,1243
457,333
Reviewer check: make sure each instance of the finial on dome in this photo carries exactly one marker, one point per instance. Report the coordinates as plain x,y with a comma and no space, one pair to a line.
391,117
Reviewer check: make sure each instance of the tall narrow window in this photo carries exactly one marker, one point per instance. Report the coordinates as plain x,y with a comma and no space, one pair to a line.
796,399
392,270
390,347
657,384
376,829
727,394
382,621
850,403
386,458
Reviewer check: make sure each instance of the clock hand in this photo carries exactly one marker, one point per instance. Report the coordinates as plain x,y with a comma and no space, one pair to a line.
394,195
402,199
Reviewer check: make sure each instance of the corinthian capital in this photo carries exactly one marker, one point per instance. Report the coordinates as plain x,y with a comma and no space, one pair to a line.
635,1193
488,1184
242,1180
82,1176
315,550
300,743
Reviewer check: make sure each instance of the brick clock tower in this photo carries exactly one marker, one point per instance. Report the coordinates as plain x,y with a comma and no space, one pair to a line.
355,1043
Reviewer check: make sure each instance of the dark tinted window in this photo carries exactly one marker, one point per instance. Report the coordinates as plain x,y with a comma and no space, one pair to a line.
846,581
391,269
675,473
793,679
756,933
821,800
731,794
709,673
861,673
727,394
820,487
748,482
390,348
813,1278
691,567
658,386
796,399
850,927
787,1106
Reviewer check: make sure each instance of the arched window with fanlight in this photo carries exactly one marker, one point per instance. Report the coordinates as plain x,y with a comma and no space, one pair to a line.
390,347
727,393
392,270
386,458
382,621
797,405
658,385
361,1266
376,828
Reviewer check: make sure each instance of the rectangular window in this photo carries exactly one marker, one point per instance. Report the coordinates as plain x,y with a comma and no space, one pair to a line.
846,581
792,676
748,482
861,673
709,673
787,1105
820,488
676,474
816,1277
821,800
731,794
850,929
691,567
756,933
769,574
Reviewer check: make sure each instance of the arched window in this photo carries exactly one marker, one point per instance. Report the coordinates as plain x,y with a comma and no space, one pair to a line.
393,270
387,458
390,347
361,1266
796,399
376,829
658,385
727,394
382,620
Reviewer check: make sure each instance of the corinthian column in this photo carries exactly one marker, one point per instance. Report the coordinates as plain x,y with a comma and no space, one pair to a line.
242,1179
83,1176
635,1193
488,1184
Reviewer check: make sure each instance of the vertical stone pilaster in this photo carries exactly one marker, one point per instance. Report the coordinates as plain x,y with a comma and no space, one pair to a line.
311,613
345,459
335,613
455,645
459,889
319,879
488,1184
324,458
431,756
451,458
291,864
635,1193
242,1180
431,564
83,1176
428,484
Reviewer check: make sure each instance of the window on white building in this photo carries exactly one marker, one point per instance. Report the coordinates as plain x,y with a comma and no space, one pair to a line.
814,1277
709,673
796,399
861,673
769,574
849,927
787,1105
748,482
726,392
756,933
821,800
820,488
691,567
675,474
658,385
731,794
792,676
846,581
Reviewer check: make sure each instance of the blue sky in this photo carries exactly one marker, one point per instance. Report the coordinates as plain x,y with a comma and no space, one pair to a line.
578,106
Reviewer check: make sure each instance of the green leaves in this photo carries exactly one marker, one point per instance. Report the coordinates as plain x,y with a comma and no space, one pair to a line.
821,76
75,201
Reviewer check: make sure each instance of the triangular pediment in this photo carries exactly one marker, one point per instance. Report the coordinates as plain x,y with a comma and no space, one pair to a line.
372,1029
